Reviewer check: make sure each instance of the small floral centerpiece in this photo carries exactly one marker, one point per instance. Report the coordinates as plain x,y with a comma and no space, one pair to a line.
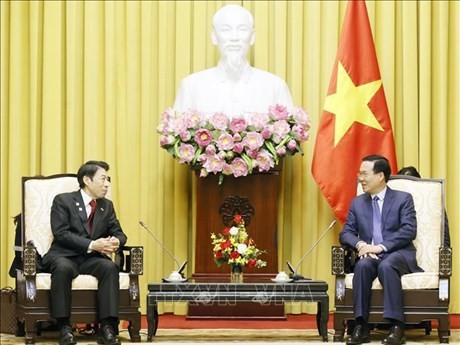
234,247
236,146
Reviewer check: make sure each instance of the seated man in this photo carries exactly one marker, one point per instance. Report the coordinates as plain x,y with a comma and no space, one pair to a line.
86,231
381,224
233,87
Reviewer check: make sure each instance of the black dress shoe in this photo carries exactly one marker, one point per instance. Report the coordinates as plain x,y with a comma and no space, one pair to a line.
107,336
66,336
396,336
359,336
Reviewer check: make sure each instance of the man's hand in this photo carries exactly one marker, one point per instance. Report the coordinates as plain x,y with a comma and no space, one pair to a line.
106,245
369,250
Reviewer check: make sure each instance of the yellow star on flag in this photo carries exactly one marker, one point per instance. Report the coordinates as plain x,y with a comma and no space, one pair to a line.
349,104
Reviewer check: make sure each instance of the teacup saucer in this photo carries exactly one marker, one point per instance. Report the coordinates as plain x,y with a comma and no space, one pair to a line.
281,280
167,280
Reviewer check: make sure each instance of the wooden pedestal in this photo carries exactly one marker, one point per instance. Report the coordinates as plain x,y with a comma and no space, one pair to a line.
262,191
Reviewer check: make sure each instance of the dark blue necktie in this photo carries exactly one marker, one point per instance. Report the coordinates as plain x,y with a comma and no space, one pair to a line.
376,221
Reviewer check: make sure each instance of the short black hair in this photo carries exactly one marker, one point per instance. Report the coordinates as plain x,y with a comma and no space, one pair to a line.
381,164
89,169
410,170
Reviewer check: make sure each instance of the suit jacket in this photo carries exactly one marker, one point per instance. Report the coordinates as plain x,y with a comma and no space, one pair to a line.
399,224
69,224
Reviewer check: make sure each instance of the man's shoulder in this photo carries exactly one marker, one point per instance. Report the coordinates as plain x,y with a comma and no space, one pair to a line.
68,198
211,74
67,195
398,194
260,73
361,197
199,76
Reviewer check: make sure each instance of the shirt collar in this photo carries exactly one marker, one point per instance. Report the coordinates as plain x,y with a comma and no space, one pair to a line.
222,72
86,198
381,195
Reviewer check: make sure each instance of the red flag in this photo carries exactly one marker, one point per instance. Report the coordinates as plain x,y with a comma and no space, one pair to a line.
355,121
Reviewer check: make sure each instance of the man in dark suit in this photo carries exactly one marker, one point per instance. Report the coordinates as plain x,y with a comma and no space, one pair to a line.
381,224
86,231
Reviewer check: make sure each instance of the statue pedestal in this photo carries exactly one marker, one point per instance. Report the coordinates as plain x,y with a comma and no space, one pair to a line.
262,192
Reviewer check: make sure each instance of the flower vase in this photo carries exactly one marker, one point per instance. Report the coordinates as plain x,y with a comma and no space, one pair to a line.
236,276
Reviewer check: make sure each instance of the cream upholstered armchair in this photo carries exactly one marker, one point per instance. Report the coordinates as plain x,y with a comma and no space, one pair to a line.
426,294
33,287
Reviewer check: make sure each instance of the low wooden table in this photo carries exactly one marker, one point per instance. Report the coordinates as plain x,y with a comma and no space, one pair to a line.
225,293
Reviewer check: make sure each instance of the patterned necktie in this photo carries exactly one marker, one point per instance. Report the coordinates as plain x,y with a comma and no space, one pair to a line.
377,221
92,203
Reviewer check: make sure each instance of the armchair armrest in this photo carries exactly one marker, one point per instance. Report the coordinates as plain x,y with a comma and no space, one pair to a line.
130,259
343,260
29,267
25,278
445,262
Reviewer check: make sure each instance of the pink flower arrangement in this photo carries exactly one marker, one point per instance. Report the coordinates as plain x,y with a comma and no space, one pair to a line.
237,146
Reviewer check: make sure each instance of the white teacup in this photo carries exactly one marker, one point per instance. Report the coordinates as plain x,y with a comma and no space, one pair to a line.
282,276
175,276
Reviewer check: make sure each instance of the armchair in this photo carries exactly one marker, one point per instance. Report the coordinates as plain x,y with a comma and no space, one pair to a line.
426,294
33,286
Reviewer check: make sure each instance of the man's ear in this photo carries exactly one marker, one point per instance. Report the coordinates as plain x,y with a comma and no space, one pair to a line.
86,180
214,38
253,38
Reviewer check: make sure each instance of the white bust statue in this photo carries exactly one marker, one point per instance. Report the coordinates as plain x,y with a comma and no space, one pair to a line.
233,86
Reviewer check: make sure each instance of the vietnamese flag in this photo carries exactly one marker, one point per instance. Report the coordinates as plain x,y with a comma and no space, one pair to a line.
355,121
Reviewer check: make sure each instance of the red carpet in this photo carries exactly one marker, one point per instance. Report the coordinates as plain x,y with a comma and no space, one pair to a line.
302,321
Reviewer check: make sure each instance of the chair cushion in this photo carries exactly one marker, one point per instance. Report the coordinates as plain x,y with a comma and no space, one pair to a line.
82,282
412,281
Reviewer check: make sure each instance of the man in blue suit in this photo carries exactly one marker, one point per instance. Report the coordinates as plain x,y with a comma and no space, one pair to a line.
381,225
86,231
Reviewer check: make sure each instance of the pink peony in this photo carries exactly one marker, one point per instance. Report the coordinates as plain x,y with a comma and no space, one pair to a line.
281,128
281,151
291,145
278,112
265,161
267,132
179,125
300,133
210,150
186,153
259,120
219,121
166,140
203,137
238,147
253,140
225,142
194,118
227,169
236,137
301,117
239,167
201,158
213,164
238,125
253,153
185,136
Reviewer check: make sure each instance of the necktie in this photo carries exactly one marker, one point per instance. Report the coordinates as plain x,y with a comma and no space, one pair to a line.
91,215
377,221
